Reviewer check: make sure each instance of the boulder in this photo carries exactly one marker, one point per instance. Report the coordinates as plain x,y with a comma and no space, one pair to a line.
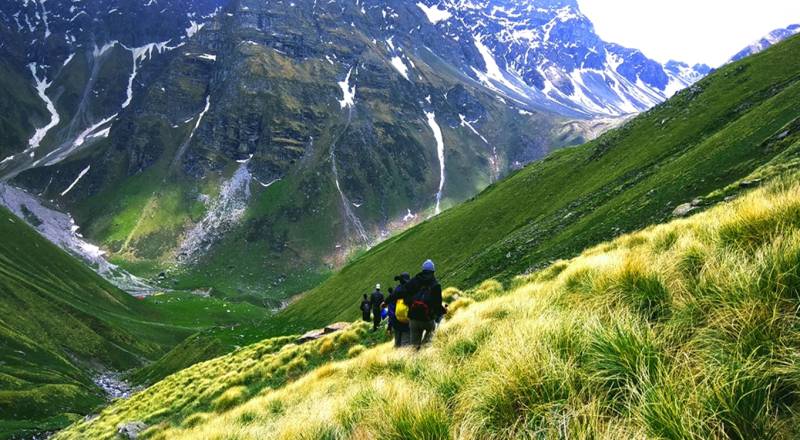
311,336
749,183
335,327
683,210
318,333
131,430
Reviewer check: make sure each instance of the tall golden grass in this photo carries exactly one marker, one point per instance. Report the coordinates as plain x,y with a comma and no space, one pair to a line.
687,330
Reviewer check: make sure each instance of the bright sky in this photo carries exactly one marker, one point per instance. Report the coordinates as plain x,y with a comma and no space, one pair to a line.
694,31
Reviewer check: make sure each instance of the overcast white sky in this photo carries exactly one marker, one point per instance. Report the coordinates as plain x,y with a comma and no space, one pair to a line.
694,31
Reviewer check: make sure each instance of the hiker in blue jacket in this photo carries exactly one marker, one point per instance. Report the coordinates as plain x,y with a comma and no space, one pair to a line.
423,293
399,324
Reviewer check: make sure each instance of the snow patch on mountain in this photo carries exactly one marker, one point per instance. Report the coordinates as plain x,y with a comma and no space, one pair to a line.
77,179
98,52
194,27
90,132
466,123
494,161
351,218
493,71
41,88
433,13
348,93
400,66
437,134
201,116
141,54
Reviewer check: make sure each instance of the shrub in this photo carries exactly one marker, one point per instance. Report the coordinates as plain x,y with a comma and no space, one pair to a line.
451,294
297,366
457,305
326,346
355,350
406,411
640,288
465,343
691,262
779,267
740,400
621,357
521,388
230,398
551,272
487,289
195,420
667,410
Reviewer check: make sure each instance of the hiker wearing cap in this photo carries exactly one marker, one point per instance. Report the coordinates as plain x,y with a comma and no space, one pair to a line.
423,293
376,301
398,312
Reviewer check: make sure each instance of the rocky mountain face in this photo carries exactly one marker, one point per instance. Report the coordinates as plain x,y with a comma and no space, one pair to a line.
547,54
769,40
250,146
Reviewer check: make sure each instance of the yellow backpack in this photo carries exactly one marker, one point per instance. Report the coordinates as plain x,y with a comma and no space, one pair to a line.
401,311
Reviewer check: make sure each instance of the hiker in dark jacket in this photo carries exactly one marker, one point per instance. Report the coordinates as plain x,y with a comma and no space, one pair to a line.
376,301
365,309
423,293
400,328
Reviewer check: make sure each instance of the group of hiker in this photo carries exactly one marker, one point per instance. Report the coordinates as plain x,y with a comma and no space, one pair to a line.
412,309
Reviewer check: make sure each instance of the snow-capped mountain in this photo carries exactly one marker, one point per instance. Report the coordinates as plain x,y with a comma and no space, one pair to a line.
772,38
219,135
547,54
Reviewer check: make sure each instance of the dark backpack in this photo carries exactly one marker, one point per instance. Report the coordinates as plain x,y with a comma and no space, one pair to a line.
420,310
375,300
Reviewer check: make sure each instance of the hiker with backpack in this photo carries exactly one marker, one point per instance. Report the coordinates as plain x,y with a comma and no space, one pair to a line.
398,312
376,302
423,294
365,309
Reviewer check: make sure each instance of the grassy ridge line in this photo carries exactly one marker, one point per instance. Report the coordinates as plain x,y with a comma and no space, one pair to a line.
681,330
703,139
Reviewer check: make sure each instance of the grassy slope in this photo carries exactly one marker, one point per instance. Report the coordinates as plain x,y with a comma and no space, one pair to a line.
59,321
197,392
682,330
55,310
227,326
627,179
